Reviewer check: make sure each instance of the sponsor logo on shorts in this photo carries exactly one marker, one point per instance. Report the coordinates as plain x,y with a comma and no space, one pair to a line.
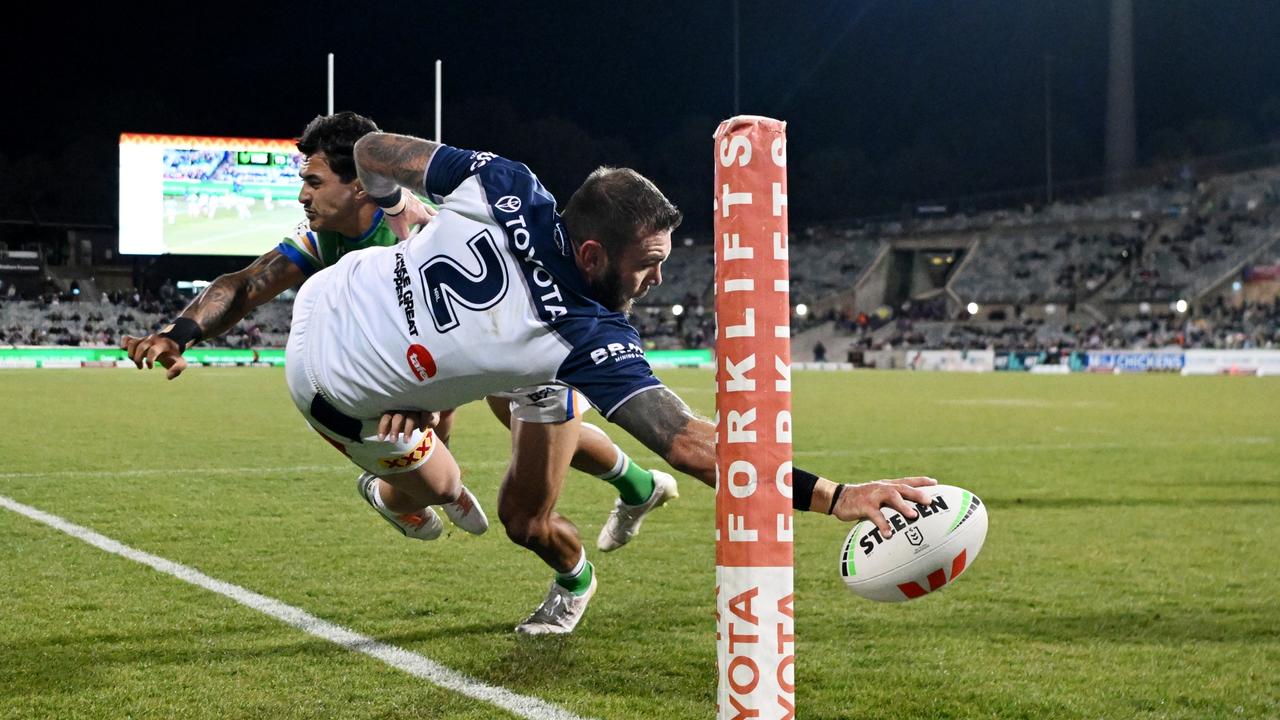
508,204
541,394
404,294
413,456
420,362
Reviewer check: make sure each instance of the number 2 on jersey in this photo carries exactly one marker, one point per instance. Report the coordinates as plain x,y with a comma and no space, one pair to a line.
448,281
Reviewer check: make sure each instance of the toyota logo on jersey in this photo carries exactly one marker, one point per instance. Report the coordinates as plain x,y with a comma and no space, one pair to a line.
420,362
508,204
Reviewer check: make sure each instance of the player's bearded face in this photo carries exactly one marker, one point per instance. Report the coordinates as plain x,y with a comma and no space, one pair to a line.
607,288
621,280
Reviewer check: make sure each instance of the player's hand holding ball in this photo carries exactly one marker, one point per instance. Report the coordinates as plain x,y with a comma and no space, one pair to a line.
939,536
864,500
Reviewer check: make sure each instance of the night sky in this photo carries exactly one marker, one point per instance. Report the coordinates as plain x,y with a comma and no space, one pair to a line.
887,101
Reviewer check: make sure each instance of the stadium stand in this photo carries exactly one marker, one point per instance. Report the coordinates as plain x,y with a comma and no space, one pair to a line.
52,321
1102,273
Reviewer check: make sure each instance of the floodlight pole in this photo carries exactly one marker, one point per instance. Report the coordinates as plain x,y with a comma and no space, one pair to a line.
439,93
1048,129
330,83
736,43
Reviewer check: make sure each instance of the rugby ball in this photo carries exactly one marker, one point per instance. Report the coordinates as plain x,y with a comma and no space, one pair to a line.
923,555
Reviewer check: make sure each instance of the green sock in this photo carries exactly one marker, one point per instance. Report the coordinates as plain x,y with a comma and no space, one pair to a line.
578,579
634,483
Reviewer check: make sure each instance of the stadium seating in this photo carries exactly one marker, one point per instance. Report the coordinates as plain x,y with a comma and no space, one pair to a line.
1099,273
96,323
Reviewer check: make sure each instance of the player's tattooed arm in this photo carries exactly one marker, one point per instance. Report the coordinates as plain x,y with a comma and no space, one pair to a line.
232,296
665,424
385,161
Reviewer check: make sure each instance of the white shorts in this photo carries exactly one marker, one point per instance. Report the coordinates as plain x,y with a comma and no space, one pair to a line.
545,404
357,438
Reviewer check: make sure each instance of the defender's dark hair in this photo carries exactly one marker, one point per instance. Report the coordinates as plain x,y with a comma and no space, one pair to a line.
616,206
335,136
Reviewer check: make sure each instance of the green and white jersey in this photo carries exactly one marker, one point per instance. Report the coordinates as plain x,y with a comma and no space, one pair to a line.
313,251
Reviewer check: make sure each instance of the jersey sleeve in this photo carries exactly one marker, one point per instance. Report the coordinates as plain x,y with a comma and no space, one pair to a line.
501,178
303,248
449,166
610,367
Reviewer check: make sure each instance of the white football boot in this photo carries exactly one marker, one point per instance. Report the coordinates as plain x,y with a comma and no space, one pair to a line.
559,613
466,513
624,521
423,524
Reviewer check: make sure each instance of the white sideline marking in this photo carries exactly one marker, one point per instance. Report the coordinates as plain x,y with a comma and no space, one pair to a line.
412,663
145,472
170,471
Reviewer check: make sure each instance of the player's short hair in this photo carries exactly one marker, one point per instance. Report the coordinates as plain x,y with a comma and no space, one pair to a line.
335,136
617,206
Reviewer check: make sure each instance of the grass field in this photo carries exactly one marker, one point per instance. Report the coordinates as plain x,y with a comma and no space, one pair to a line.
229,234
1131,570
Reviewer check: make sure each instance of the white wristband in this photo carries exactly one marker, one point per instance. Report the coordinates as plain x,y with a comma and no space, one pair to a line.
398,207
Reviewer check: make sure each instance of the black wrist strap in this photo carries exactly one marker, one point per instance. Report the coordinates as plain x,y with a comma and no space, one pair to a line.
802,484
183,331
835,497
388,201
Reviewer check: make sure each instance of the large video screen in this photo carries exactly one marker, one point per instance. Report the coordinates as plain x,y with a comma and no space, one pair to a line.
206,195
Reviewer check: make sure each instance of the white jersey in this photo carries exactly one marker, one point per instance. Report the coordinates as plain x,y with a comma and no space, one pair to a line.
485,298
